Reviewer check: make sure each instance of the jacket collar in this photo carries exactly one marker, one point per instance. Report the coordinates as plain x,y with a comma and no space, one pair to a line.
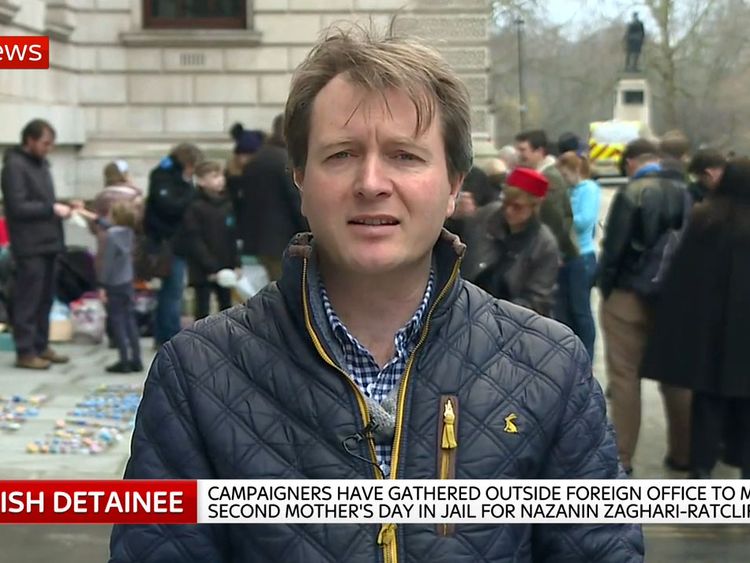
34,160
214,199
650,169
300,273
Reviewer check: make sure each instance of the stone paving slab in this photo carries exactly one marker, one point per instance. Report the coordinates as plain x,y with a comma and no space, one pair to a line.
65,385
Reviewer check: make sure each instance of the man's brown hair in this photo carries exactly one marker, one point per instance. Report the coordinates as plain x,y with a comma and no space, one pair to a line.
640,150
377,65
207,167
187,154
674,144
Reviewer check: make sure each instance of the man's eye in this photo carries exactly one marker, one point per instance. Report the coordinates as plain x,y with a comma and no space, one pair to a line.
406,156
340,155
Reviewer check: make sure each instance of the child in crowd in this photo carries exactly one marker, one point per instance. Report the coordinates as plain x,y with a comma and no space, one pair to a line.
208,240
116,278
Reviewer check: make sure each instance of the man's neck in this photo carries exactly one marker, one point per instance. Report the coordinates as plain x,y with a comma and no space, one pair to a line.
374,308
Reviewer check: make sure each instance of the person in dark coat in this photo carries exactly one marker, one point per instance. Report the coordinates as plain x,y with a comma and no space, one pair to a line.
246,144
706,168
372,321
511,254
642,213
476,192
701,324
208,238
34,220
170,191
270,210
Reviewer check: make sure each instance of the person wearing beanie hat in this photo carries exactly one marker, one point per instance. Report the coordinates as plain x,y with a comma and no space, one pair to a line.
511,254
569,142
248,142
246,145
269,212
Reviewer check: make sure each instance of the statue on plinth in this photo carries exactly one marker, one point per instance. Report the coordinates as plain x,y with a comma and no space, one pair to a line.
634,37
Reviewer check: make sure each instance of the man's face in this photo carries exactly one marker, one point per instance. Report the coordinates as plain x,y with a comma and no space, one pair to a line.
631,167
375,195
711,178
42,146
518,210
528,156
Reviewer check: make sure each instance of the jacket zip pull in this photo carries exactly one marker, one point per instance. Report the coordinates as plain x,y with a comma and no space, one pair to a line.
387,540
448,445
449,427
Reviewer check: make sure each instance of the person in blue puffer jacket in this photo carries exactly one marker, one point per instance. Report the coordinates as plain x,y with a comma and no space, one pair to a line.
576,277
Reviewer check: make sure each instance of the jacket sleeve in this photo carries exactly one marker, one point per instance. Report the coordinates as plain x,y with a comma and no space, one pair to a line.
538,290
556,215
193,245
166,445
16,200
584,448
109,260
617,235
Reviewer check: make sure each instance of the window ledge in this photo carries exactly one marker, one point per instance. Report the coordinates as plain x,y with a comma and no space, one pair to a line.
191,38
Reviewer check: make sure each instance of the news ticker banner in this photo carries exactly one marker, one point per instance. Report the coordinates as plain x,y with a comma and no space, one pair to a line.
368,501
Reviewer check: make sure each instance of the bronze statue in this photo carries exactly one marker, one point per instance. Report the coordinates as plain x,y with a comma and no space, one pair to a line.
634,37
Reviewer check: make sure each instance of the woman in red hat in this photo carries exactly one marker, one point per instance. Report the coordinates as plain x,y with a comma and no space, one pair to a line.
511,254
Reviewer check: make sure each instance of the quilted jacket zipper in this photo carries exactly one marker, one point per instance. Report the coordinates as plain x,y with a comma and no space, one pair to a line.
387,536
447,446
327,359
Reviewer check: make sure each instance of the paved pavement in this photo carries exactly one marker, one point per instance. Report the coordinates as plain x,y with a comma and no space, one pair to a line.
68,384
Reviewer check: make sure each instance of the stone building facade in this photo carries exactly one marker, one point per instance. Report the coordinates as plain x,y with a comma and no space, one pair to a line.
119,89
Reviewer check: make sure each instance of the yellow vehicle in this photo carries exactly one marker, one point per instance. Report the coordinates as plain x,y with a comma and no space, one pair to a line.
607,140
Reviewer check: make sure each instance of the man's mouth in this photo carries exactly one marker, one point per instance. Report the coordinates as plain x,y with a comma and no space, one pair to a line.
375,221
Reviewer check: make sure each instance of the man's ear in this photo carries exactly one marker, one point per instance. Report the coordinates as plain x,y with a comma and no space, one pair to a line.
455,192
298,175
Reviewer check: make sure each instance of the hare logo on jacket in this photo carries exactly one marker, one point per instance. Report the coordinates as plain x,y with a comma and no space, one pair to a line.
510,424
24,52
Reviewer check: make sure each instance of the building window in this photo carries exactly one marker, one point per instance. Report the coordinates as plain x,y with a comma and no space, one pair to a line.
191,14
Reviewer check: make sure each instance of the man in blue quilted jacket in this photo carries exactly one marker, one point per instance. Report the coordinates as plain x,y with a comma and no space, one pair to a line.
352,364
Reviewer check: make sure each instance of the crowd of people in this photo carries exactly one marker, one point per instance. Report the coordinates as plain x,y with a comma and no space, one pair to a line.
529,217
198,217
671,272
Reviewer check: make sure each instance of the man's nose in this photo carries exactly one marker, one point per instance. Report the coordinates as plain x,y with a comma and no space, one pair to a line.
373,179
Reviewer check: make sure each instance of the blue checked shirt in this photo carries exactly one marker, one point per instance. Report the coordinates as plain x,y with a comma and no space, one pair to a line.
375,382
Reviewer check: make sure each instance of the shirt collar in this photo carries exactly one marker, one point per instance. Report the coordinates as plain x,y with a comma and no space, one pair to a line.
406,335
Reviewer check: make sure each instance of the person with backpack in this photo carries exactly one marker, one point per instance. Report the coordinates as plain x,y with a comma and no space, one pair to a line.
644,220
703,346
